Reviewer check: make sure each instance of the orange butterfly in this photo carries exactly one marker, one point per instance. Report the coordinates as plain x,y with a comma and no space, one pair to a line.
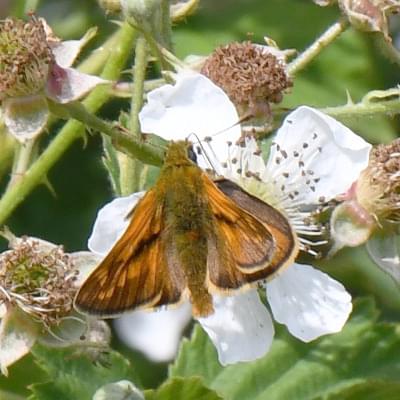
188,238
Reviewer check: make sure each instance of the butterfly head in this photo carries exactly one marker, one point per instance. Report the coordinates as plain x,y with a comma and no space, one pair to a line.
180,153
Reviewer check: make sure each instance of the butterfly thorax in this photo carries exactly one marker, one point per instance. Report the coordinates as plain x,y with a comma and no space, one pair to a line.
188,222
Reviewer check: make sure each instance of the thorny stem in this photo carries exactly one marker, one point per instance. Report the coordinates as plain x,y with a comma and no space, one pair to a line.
363,108
312,51
125,89
7,145
166,32
156,50
71,131
387,48
23,158
130,168
97,58
123,140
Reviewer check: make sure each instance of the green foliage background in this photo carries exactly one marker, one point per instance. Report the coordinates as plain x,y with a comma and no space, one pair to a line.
366,358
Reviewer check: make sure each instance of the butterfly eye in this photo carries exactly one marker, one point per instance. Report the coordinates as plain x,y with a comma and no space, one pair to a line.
192,154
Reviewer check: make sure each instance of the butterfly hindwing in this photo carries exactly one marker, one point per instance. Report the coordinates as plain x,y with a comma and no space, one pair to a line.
286,246
240,245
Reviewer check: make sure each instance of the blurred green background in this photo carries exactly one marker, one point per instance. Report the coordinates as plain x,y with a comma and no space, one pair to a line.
354,63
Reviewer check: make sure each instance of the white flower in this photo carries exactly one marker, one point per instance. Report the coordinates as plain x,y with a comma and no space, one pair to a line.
193,108
313,159
36,66
308,301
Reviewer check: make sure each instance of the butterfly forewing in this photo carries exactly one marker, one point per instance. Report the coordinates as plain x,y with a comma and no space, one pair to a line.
135,273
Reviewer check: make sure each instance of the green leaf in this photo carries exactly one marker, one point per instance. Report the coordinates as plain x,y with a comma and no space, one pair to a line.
110,161
371,390
365,350
9,396
183,389
74,376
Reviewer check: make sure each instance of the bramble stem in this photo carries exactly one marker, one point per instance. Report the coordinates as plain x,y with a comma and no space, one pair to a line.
129,167
123,140
22,160
308,55
376,102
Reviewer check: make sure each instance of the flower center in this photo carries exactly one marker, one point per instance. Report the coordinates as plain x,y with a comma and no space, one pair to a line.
39,281
378,188
25,57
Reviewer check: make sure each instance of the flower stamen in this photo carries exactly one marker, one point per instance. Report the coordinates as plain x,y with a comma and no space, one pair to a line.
40,281
25,57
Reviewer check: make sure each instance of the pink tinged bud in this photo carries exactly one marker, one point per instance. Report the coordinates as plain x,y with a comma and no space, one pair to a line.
351,225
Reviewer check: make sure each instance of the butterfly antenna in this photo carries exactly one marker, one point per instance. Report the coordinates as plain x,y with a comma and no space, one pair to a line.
203,151
245,118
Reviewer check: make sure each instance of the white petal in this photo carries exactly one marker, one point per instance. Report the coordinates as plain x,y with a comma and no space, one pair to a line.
85,262
240,328
308,302
25,117
155,333
17,336
332,152
111,222
66,52
194,105
67,84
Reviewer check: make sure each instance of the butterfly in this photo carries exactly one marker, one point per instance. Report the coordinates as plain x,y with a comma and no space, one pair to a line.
189,237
